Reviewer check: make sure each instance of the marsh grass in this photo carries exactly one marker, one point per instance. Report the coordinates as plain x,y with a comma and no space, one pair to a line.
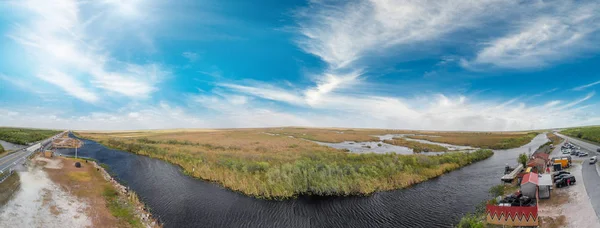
485,140
278,166
333,135
416,146
555,140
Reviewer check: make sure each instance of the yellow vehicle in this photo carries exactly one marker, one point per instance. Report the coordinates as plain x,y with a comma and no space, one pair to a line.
564,163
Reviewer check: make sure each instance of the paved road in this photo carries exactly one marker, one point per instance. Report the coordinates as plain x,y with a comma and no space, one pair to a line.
590,174
18,157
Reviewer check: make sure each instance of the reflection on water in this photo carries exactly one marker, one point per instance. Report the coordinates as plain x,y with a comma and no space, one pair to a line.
10,146
182,201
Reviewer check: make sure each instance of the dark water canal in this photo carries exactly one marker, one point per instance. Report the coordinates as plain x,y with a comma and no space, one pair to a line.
181,201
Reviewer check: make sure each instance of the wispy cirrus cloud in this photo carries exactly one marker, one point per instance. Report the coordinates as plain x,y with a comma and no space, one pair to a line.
579,88
552,31
59,41
342,33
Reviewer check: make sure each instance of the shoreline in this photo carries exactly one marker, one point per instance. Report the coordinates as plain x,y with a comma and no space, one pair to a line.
141,209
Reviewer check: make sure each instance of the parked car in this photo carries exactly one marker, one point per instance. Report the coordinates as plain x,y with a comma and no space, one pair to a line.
558,173
557,178
593,160
566,180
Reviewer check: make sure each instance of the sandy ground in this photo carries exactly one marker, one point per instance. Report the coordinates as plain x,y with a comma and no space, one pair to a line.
41,203
572,202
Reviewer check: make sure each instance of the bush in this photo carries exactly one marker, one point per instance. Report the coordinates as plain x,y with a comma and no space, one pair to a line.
470,221
497,190
523,159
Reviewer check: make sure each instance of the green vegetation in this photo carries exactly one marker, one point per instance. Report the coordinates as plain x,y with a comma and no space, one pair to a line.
554,139
278,167
485,140
477,219
25,136
416,146
2,149
119,207
471,221
588,133
522,159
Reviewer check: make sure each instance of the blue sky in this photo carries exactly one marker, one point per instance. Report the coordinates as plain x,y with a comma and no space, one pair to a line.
437,65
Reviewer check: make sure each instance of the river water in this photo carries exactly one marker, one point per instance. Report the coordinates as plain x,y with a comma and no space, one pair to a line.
181,201
10,146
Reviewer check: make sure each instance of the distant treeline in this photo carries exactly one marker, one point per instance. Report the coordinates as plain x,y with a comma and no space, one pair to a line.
25,136
587,133
267,175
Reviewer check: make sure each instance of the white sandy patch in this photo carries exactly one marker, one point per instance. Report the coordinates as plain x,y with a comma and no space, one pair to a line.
50,163
41,203
578,210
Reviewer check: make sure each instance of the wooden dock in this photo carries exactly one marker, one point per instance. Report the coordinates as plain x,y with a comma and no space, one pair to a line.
513,174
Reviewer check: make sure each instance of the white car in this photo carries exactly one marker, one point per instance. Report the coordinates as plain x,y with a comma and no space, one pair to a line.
593,160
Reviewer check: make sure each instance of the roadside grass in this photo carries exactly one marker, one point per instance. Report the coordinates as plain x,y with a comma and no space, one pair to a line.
485,140
279,167
588,133
24,136
416,146
554,139
9,187
2,151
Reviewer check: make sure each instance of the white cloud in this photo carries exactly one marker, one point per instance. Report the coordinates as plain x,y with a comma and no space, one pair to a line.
227,110
558,30
340,35
59,41
586,86
431,112
69,84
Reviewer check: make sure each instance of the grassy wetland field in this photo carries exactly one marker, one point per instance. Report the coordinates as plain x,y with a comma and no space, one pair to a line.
25,136
485,140
278,163
588,133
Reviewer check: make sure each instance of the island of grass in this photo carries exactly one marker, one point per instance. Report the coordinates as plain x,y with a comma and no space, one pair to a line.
2,151
273,166
417,147
591,134
484,140
25,136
